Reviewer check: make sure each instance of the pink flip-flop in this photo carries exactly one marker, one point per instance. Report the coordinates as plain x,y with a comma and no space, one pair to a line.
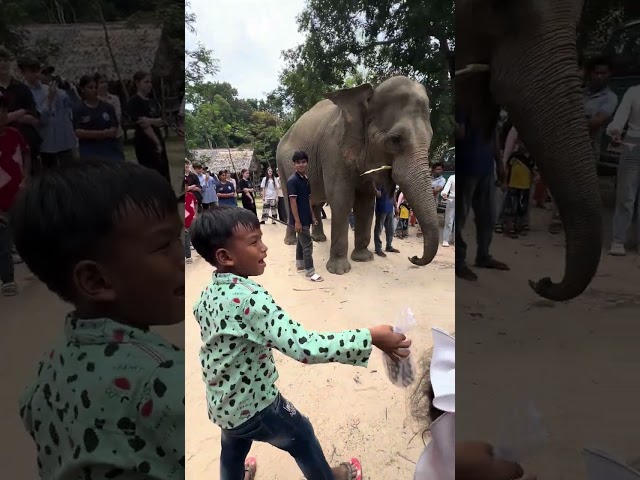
251,466
355,463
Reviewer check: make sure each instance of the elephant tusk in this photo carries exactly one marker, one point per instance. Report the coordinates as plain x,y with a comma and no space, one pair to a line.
474,68
384,167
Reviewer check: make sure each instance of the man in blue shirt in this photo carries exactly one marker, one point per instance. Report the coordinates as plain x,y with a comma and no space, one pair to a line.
302,217
477,161
385,208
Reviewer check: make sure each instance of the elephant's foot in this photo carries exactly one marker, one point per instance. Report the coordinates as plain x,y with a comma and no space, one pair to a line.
318,237
338,266
362,255
290,237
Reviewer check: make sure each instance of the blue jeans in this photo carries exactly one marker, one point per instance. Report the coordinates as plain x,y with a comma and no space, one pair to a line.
6,256
284,427
383,220
476,193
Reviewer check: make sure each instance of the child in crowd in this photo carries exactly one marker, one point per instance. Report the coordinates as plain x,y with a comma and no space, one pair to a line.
519,178
107,400
433,403
404,212
240,326
190,212
14,162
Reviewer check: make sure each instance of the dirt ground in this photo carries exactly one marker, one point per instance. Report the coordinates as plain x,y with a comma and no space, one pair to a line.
355,411
577,361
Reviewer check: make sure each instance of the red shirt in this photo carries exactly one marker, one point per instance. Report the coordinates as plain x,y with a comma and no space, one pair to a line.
13,149
190,206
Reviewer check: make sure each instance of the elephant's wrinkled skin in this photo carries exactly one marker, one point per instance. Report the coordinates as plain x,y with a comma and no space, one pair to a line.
355,130
530,47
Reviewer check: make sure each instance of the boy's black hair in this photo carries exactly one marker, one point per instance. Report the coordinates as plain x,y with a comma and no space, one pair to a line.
213,228
436,164
600,60
64,215
300,155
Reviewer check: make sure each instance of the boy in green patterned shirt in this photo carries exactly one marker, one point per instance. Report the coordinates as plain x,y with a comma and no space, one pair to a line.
240,325
108,398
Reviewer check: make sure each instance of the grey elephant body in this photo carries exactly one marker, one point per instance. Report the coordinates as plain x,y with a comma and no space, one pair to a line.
337,136
530,49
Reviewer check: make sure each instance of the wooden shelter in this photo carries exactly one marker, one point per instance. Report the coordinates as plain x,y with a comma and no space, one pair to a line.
77,49
234,159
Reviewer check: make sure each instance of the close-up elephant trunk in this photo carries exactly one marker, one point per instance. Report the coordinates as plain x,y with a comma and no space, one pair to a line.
542,93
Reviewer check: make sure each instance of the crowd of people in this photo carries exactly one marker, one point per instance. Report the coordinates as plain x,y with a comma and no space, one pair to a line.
47,121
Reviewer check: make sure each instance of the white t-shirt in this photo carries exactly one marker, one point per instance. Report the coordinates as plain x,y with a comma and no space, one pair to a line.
279,187
628,113
450,188
269,188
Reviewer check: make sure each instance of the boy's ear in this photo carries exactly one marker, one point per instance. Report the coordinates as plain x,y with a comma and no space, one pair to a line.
91,283
223,258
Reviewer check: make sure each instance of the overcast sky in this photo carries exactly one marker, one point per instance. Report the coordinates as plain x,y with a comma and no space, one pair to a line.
247,37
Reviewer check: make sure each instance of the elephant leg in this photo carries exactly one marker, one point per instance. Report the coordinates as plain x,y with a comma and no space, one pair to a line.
363,210
341,203
290,236
317,231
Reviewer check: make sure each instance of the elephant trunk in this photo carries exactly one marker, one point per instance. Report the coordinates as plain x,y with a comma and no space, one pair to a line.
416,186
555,133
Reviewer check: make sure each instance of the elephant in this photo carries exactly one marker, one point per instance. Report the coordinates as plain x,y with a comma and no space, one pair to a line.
350,132
522,56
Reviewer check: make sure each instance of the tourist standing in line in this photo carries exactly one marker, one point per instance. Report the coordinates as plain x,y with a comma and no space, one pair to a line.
269,187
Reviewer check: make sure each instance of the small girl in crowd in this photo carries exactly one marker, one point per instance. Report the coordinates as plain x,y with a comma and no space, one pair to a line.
434,403
404,212
241,325
519,178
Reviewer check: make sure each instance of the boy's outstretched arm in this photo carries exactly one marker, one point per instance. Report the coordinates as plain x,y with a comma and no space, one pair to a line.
273,327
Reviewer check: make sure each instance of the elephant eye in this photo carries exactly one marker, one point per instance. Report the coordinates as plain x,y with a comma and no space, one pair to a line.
395,139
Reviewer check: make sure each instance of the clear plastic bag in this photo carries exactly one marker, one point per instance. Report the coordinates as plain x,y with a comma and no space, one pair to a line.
522,433
402,372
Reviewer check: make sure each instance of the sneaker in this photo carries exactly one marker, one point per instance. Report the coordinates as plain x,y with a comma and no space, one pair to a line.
189,260
445,243
617,250
466,273
392,250
380,253
9,289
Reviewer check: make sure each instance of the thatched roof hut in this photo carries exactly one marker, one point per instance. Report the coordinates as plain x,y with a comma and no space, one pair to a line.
218,159
79,48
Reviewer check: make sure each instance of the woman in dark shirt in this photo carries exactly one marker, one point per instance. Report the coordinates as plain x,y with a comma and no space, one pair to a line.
146,113
95,124
245,186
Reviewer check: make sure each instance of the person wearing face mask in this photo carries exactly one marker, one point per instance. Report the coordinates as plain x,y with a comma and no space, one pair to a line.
145,110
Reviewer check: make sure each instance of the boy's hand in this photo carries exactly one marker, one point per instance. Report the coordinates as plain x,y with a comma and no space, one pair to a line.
475,461
298,227
389,341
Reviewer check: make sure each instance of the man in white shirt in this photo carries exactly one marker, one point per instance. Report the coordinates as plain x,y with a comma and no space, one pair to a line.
449,195
628,175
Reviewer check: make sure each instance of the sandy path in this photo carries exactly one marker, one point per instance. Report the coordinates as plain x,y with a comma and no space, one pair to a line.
578,361
355,411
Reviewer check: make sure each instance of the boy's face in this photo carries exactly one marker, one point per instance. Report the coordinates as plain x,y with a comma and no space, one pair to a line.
245,253
437,171
199,170
187,168
142,276
301,166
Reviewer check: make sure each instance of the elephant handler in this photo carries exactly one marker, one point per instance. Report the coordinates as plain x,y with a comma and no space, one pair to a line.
479,159
302,216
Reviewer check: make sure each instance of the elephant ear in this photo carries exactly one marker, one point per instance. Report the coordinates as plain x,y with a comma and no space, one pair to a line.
353,104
